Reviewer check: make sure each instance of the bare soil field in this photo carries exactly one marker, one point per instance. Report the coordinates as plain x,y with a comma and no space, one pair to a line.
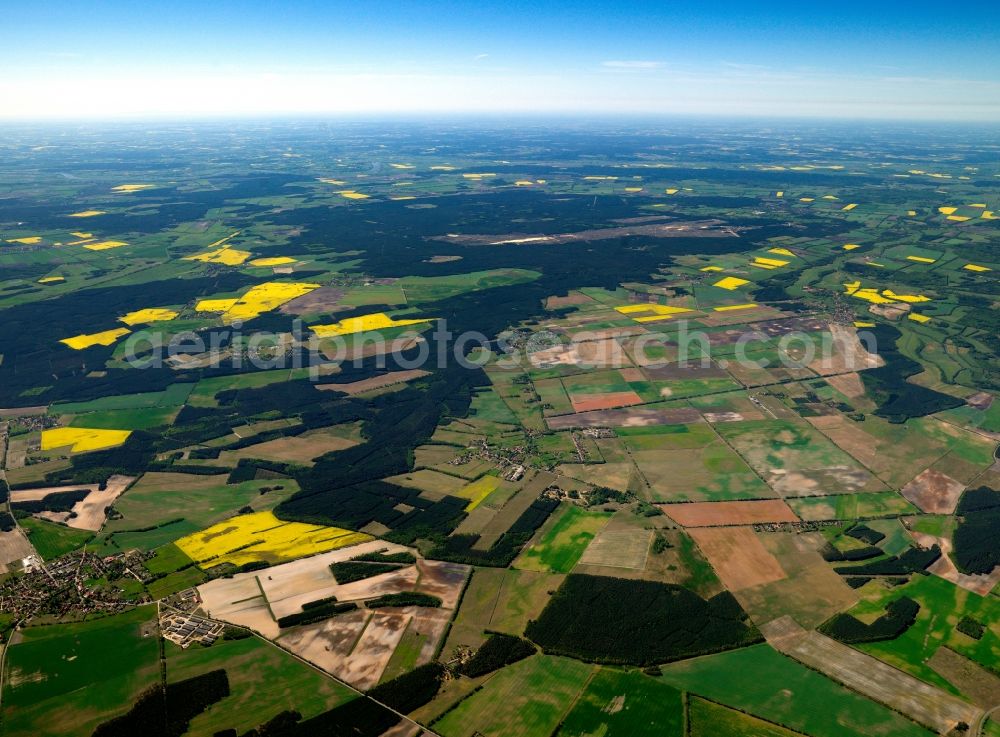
621,548
811,593
324,299
980,400
363,667
89,512
376,382
610,400
715,514
599,352
849,355
944,567
13,547
738,556
981,686
639,417
850,384
570,300
443,580
934,492
900,691
30,495
327,644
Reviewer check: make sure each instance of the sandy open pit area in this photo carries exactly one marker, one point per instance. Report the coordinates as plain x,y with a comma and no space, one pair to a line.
639,417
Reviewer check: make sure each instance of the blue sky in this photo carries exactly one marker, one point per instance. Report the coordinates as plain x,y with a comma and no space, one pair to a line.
842,59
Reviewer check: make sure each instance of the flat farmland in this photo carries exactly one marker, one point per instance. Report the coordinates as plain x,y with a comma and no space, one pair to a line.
160,497
526,699
625,704
796,460
301,449
59,679
263,682
860,672
762,682
851,506
562,540
708,719
718,514
811,592
738,556
618,548
501,600
933,492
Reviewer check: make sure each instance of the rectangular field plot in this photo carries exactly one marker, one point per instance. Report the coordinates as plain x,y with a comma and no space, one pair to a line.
263,682
903,693
762,682
625,704
851,506
738,556
717,514
60,680
710,473
501,600
708,719
526,699
796,460
564,538
622,548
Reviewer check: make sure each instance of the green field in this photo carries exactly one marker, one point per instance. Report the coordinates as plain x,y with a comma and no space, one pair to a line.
161,588
199,500
173,396
142,418
562,541
52,540
263,681
66,679
625,704
707,719
942,605
762,682
526,699
851,506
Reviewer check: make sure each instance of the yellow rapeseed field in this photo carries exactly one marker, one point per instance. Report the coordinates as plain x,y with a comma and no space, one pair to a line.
780,251
859,324
265,297
107,337
273,261
918,318
225,256
374,321
263,537
81,439
132,187
150,314
921,259
772,262
729,308
477,491
336,182
352,195
402,166
976,267
51,279
214,305
28,241
851,246
87,213
711,268
104,245
730,283
848,208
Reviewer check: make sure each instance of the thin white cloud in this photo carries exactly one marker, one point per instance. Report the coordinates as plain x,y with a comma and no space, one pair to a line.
632,64
477,57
